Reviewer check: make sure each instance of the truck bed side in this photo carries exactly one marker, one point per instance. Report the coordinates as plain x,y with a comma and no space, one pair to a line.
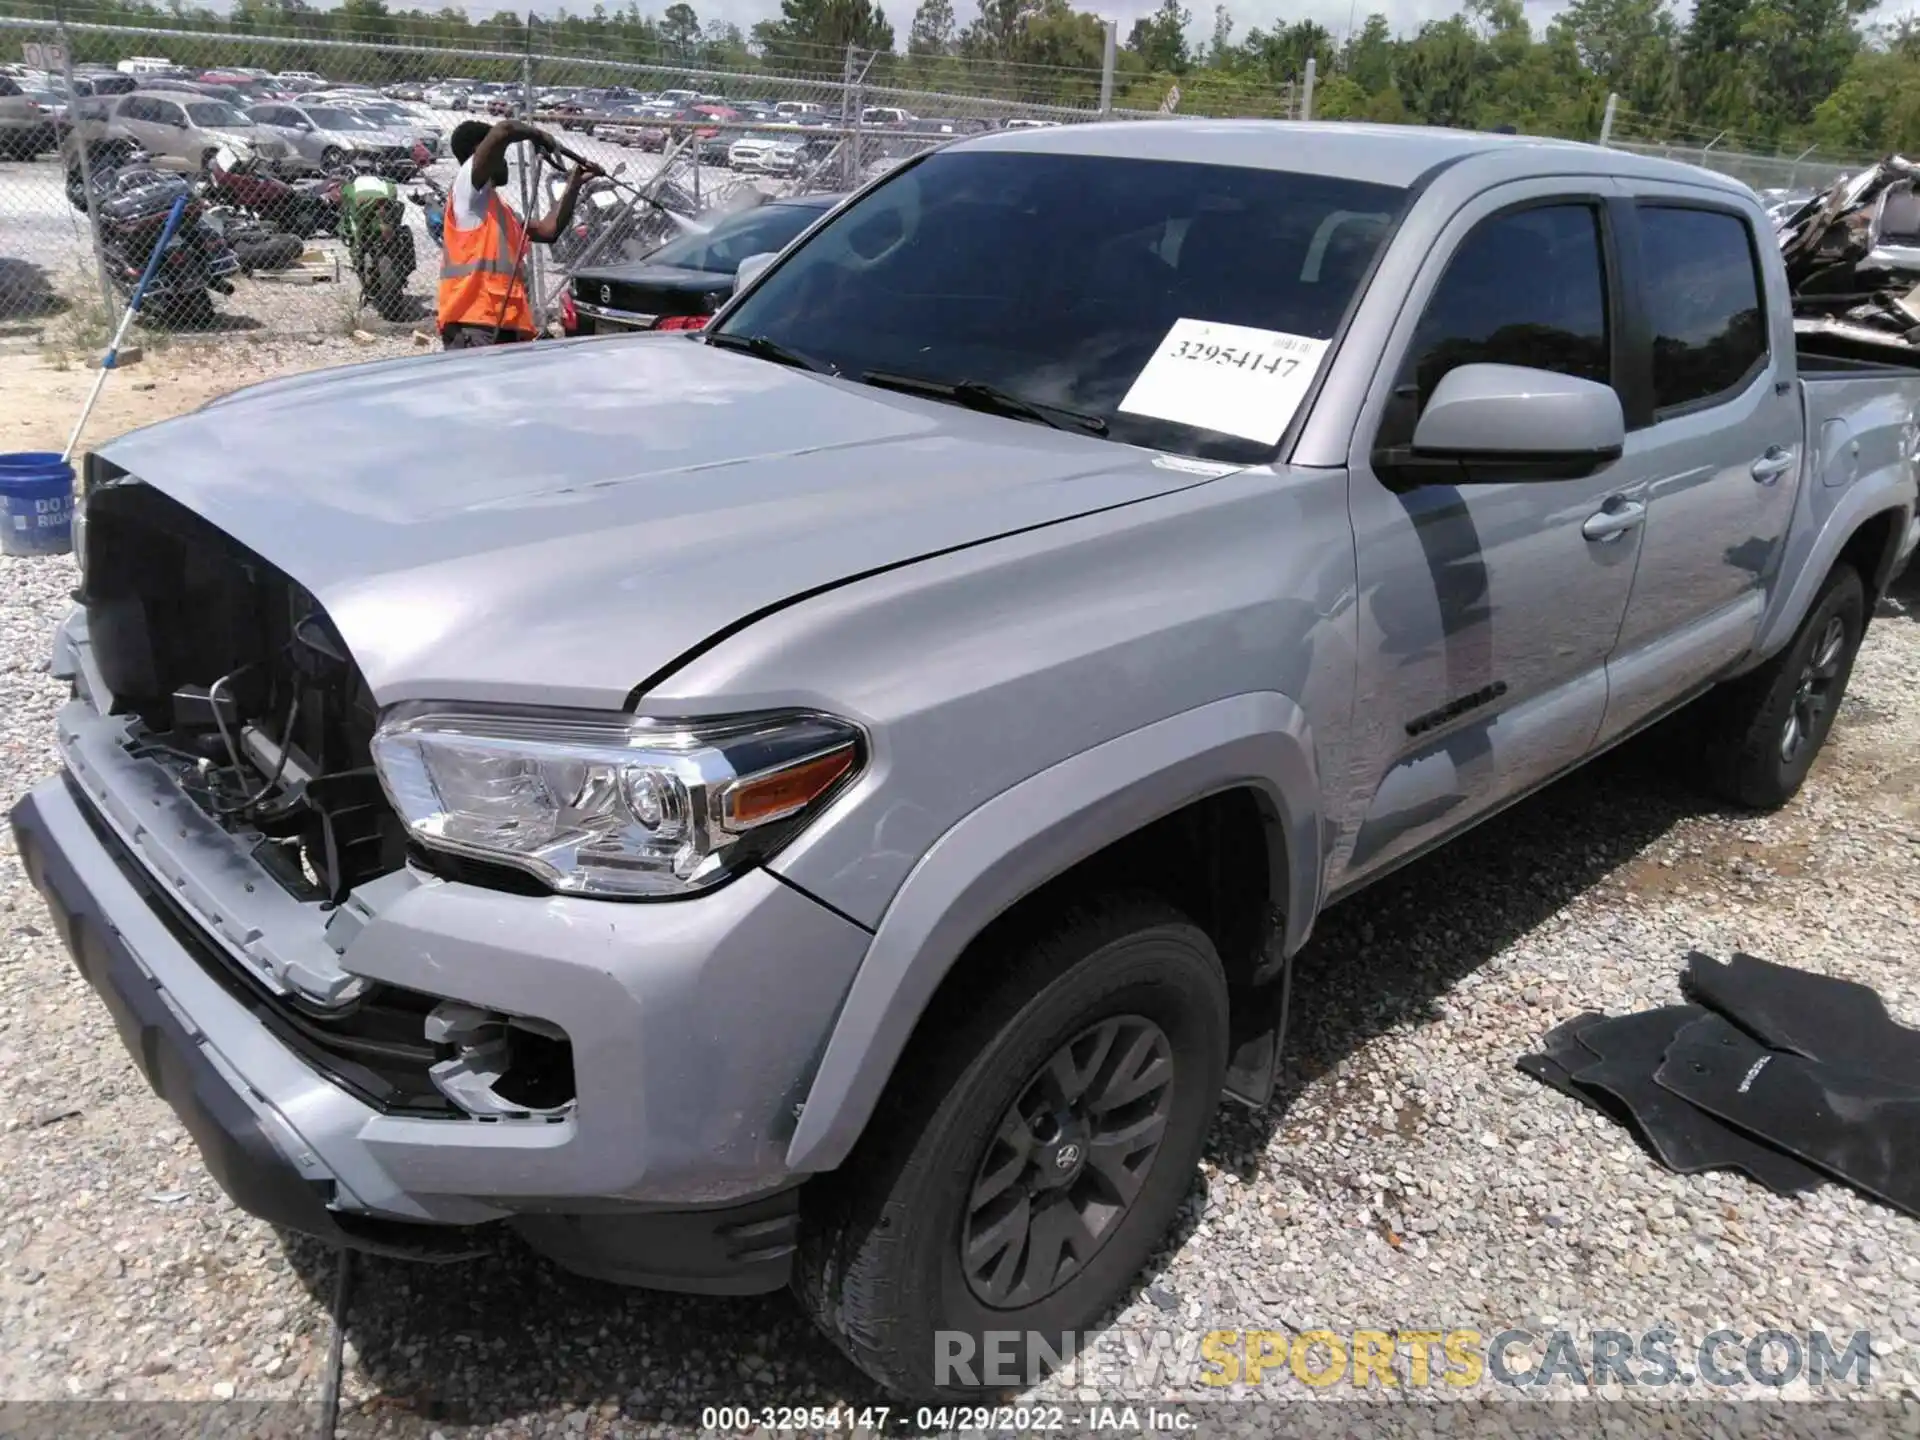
1863,431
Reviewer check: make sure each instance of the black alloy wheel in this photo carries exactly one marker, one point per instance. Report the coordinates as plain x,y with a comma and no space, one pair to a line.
1067,1161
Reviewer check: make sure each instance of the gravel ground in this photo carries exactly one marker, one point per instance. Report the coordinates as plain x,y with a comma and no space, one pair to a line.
1407,1177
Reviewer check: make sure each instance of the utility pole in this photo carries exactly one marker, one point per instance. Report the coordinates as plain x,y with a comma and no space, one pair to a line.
1306,89
536,277
1606,120
850,107
1111,27
74,102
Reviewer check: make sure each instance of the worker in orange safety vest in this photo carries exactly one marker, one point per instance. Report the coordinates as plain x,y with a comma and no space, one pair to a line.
483,285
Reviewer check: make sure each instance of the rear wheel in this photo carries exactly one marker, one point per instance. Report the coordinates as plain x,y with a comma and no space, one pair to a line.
1765,729
1031,1156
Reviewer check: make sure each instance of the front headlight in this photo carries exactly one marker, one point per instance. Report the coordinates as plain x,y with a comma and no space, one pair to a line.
610,804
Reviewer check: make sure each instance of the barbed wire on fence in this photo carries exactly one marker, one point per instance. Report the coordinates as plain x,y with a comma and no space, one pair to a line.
1762,162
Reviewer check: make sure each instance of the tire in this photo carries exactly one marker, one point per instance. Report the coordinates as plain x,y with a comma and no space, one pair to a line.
387,289
331,157
880,1265
1765,729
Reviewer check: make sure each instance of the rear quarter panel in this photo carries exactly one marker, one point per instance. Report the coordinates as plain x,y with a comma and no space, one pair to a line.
1863,440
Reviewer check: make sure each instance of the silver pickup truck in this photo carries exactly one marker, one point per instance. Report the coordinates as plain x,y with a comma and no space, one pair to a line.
832,800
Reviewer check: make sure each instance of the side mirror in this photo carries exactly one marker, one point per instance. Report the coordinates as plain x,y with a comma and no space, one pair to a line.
1501,423
750,269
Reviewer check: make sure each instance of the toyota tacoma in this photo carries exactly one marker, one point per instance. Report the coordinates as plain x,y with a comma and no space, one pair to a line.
832,800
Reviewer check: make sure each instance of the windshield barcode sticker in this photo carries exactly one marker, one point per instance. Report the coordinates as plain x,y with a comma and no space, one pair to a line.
1230,378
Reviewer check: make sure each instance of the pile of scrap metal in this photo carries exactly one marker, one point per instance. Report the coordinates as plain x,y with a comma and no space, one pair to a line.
1789,1077
1853,260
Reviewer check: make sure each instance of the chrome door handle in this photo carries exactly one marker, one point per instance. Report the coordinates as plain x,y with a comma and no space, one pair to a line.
1605,525
1772,465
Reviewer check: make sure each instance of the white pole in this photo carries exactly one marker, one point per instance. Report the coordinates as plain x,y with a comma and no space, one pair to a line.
1606,120
1106,67
1306,90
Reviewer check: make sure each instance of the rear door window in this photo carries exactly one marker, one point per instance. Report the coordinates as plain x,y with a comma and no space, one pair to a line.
1703,294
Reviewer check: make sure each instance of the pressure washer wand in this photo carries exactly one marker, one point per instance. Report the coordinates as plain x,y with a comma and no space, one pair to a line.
134,301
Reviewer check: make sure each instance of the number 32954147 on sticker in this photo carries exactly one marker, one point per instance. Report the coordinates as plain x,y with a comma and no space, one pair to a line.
1230,378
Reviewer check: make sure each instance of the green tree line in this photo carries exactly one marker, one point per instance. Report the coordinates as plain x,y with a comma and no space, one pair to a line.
1780,74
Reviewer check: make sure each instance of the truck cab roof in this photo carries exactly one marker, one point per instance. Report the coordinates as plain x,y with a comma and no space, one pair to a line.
1398,155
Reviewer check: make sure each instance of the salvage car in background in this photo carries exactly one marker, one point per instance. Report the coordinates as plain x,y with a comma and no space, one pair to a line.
768,152
681,284
332,138
26,128
388,115
179,131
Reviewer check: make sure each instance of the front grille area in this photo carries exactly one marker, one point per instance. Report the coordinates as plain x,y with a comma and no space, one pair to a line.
241,686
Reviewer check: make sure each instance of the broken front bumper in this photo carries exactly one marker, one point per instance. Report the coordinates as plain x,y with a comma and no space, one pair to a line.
694,1028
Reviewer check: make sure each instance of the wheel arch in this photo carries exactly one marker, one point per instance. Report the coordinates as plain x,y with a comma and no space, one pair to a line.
1865,530
1248,754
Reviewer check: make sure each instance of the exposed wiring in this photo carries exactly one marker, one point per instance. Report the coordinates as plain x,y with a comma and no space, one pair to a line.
219,721
280,766
233,750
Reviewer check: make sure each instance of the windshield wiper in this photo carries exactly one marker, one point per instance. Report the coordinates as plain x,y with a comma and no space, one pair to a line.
766,349
990,399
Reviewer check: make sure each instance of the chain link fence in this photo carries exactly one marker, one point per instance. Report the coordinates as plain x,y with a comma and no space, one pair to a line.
276,138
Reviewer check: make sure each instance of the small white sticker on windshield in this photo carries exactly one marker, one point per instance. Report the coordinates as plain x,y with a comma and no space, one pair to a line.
1230,378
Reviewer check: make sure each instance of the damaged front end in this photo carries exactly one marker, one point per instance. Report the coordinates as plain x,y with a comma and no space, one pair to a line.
241,687
1852,258
221,734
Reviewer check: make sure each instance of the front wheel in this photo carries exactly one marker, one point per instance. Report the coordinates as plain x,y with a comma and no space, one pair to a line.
332,157
1031,1154
1765,729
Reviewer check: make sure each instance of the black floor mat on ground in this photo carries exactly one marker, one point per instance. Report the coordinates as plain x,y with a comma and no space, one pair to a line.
1562,1053
1790,1078
1862,1128
1839,1022
1608,1063
1683,1137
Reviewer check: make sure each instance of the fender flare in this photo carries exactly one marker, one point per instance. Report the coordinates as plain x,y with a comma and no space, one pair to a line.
1027,835
1867,498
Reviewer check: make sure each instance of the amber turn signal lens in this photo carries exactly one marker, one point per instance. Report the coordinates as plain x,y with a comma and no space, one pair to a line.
777,794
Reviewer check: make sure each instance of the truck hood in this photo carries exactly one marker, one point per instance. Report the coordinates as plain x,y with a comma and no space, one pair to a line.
558,522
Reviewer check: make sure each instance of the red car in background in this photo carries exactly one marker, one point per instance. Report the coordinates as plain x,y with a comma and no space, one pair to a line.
252,89
655,136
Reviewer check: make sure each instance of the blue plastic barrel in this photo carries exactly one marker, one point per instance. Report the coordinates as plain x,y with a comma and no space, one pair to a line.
36,504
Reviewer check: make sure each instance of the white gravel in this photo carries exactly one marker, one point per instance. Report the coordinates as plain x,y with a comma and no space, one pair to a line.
1408,1178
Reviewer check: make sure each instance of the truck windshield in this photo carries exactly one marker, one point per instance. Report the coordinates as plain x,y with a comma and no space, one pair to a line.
1185,306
